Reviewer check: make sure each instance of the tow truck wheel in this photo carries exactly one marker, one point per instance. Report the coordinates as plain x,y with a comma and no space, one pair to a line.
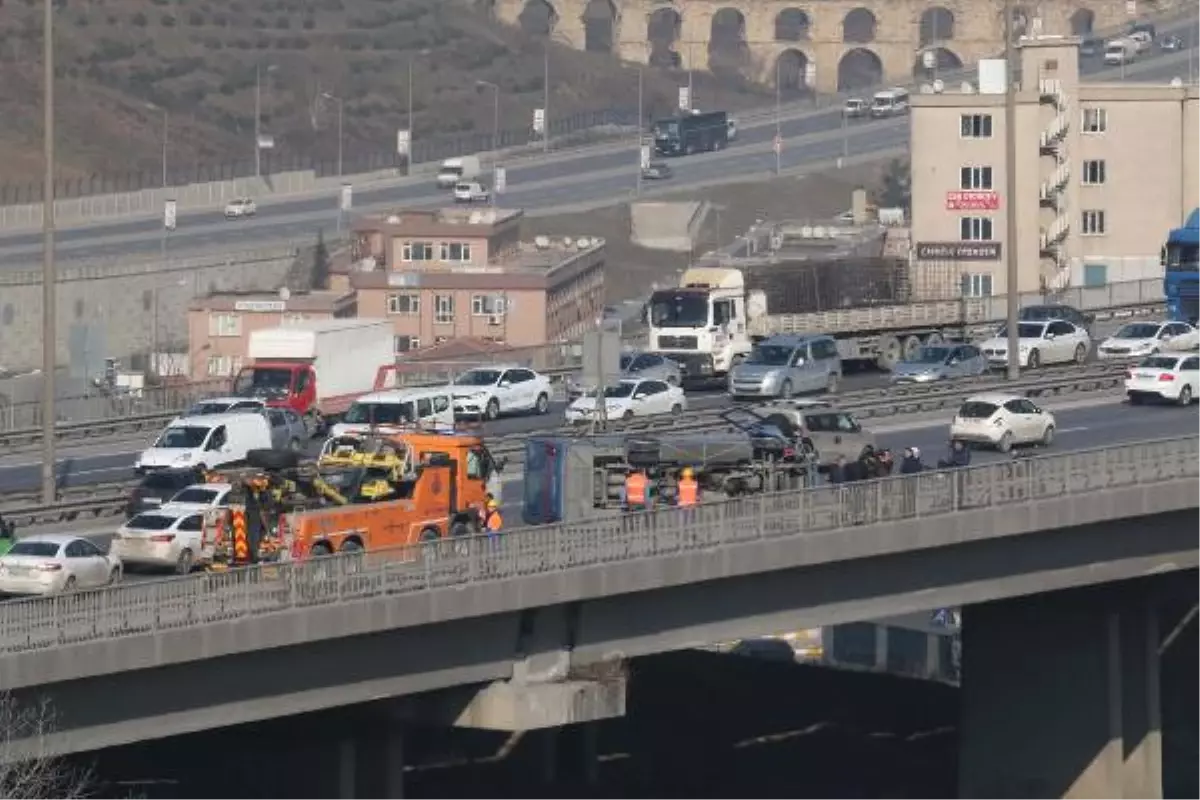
185,562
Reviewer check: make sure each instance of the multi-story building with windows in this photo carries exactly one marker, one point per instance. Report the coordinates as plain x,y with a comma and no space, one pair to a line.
1103,170
460,272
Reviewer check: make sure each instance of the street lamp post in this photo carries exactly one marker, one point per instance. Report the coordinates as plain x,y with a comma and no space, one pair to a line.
341,106
258,71
778,122
49,295
495,132
641,135
546,101
1013,298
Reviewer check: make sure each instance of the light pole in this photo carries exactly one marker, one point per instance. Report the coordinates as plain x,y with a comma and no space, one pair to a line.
778,122
641,134
1010,188
49,295
258,71
166,128
341,105
495,132
546,100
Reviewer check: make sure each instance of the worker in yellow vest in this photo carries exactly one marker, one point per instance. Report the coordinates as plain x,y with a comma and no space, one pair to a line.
688,493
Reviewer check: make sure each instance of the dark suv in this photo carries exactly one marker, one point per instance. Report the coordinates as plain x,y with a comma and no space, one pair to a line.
159,487
1070,314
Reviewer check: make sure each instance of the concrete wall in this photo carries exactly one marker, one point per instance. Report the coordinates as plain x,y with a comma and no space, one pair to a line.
110,310
666,225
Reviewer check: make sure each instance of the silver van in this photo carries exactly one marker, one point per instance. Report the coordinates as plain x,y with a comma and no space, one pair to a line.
784,365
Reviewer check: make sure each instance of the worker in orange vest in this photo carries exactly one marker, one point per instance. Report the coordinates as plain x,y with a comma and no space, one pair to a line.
492,521
636,490
689,490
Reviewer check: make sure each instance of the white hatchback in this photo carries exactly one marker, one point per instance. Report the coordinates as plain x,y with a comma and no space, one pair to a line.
1001,421
628,399
170,537
52,562
240,208
1172,377
1140,339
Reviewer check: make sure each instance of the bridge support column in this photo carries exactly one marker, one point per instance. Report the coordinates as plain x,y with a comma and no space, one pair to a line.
1060,696
372,765
569,753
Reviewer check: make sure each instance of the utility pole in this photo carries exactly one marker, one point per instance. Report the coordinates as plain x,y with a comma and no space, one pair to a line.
341,104
408,159
1010,189
165,139
257,120
641,134
778,123
546,101
49,283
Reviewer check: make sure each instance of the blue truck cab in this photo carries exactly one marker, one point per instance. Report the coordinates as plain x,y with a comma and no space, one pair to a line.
1181,270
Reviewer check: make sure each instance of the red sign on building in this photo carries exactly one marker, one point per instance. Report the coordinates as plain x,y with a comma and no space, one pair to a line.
972,201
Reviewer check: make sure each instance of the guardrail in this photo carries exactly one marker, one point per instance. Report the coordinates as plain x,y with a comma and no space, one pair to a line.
191,602
104,500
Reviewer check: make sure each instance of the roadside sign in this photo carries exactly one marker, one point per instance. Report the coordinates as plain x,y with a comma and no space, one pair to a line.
403,142
685,98
1131,8
347,198
169,214
777,144
501,179
539,121
645,156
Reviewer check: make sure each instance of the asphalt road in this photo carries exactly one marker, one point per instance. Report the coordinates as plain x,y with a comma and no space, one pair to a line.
535,184
1082,424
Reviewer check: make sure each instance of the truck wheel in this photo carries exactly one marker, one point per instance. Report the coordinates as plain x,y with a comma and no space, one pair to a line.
492,411
889,353
933,339
543,404
912,346
185,562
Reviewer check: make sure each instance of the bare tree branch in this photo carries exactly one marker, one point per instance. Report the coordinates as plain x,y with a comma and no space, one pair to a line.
34,775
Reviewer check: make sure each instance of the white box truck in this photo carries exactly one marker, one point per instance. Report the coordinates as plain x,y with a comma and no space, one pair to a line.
317,368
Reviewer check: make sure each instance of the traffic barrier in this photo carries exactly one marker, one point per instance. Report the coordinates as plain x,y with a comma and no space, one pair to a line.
191,602
24,509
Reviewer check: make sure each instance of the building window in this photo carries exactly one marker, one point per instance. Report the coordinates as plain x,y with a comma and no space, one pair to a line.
977,285
440,340
456,251
403,344
975,229
973,178
1095,275
417,251
1093,223
976,126
1093,173
1095,120
404,304
443,308
223,366
224,325
487,305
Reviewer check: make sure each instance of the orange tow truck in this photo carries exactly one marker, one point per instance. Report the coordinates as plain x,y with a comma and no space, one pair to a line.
363,493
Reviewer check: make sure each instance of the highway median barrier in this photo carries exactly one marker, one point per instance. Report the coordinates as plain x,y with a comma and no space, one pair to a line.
103,500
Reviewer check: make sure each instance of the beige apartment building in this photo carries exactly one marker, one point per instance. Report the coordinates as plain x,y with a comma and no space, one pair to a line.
465,273
1103,171
219,326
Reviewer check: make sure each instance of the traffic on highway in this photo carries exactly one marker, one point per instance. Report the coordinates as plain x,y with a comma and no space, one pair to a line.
595,177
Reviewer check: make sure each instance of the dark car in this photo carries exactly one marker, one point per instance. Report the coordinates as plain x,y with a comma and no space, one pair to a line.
159,487
656,171
1091,47
1057,311
1171,43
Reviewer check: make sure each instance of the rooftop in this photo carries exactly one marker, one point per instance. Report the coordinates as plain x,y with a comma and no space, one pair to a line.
453,221
275,302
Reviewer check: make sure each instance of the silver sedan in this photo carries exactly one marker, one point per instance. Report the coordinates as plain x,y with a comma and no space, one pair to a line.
941,363
653,366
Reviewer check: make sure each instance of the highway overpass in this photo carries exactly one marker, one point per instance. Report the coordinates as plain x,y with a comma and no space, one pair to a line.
541,612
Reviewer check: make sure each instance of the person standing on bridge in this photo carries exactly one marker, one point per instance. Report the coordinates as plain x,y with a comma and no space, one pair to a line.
637,491
688,493
492,521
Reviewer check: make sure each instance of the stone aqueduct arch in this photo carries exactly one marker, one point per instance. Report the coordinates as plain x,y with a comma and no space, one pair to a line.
810,44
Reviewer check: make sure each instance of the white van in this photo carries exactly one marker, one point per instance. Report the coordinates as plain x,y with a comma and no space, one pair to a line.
1120,51
456,170
422,408
889,103
213,440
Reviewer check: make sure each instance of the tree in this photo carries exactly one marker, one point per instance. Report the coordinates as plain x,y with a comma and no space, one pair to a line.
25,771
320,271
895,189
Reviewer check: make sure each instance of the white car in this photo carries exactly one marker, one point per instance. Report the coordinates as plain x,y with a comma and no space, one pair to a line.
198,497
1138,339
1165,376
1001,421
55,562
488,392
1052,341
170,537
628,399
240,208
471,192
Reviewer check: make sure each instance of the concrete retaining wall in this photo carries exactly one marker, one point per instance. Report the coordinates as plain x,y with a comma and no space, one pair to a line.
661,225
110,311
